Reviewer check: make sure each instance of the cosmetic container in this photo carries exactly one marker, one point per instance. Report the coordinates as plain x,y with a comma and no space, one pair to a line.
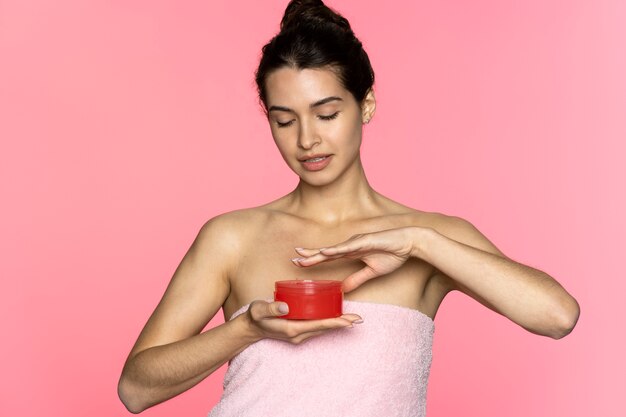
310,299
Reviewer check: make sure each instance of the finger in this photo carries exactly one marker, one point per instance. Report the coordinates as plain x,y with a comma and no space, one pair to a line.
358,278
307,252
262,309
306,326
312,260
359,244
352,319
305,336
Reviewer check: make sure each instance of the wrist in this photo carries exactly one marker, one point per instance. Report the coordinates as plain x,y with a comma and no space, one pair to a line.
249,332
422,238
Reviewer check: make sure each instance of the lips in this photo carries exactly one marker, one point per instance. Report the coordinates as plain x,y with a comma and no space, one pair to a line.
316,162
308,158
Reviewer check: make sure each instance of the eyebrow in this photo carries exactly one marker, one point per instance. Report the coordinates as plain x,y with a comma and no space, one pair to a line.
311,106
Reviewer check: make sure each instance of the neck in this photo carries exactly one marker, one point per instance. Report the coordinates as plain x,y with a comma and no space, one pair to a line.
349,197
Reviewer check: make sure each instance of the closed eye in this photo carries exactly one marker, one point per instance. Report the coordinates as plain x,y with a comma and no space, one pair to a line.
279,124
329,117
321,116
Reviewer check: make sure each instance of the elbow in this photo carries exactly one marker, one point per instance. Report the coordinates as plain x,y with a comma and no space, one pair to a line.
130,396
564,319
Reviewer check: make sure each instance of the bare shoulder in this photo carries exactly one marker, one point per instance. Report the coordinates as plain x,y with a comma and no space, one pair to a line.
453,227
233,231
234,225
463,231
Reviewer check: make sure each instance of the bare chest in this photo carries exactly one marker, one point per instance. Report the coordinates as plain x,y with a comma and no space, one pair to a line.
268,255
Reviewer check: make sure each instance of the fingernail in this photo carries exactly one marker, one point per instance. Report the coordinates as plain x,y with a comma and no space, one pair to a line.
299,249
283,308
297,259
359,321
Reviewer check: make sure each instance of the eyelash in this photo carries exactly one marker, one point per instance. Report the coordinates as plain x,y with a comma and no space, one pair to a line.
330,117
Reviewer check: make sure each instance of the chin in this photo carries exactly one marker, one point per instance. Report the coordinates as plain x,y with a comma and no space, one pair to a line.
315,182
316,179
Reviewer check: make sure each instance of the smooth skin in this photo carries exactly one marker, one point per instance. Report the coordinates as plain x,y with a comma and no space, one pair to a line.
389,253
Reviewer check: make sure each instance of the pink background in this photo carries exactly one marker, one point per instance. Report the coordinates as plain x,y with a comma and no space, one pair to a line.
125,125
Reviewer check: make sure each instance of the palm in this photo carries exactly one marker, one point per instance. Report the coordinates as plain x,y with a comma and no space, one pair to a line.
382,263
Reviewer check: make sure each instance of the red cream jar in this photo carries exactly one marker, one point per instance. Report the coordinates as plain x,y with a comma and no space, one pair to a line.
308,299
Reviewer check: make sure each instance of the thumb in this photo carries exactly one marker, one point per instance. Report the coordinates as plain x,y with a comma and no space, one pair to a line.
359,277
278,308
261,309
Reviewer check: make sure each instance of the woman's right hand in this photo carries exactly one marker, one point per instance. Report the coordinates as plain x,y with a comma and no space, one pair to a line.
264,320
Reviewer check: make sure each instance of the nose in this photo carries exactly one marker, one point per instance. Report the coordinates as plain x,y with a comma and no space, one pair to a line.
307,135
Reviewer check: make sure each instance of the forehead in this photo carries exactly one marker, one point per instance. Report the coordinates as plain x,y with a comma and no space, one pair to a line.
292,87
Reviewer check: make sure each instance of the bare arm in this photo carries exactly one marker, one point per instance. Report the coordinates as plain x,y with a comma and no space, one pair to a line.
171,355
162,372
525,295
469,262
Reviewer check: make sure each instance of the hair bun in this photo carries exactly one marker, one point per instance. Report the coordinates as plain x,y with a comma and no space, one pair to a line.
311,12
313,35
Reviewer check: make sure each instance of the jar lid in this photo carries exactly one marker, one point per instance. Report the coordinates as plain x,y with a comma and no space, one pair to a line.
308,286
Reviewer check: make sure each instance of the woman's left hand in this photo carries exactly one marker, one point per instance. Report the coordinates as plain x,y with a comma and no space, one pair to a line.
382,252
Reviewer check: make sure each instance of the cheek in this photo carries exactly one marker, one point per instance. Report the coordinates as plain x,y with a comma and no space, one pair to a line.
284,143
351,132
280,138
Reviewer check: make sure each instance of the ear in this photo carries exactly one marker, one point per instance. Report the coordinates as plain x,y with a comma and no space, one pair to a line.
368,106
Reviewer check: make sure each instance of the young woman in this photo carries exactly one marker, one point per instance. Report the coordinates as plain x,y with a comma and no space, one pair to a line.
397,263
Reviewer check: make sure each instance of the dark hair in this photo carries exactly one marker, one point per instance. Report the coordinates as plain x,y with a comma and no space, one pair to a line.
315,36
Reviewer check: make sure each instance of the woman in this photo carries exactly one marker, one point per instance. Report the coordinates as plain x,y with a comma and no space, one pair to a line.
397,264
